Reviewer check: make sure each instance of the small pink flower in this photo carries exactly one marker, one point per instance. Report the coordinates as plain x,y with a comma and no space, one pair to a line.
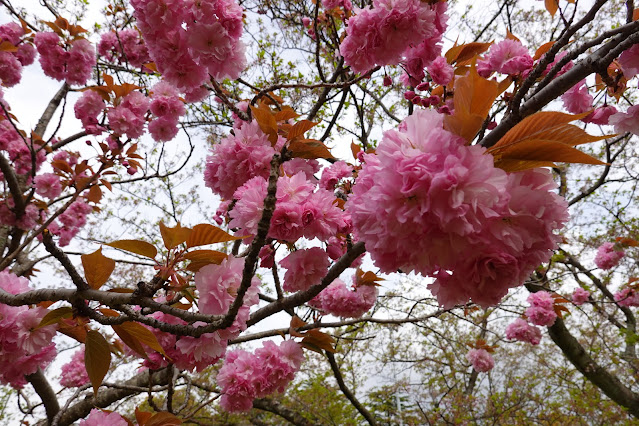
524,332
481,360
608,256
580,296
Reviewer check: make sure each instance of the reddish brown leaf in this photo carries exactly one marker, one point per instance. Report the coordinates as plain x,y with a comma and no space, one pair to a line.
266,121
203,234
142,416
135,246
299,129
543,49
309,149
7,46
465,52
316,340
97,358
163,418
285,114
129,340
473,98
175,236
355,149
95,194
200,258
511,36
551,6
97,268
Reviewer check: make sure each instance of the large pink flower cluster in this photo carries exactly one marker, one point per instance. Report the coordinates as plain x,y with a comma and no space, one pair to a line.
428,203
386,33
11,63
481,360
124,46
524,332
298,212
304,268
627,297
542,309
167,106
23,347
127,118
74,66
74,374
190,40
506,57
87,109
237,158
98,417
608,256
339,300
245,376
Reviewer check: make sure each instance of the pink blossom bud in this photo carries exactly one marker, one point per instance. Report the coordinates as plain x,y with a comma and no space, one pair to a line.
387,81
409,94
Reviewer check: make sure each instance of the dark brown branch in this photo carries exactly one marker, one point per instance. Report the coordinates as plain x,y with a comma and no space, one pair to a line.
275,407
106,397
302,297
347,392
45,392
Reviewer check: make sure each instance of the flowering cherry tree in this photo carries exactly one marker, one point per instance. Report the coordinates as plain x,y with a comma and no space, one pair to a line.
360,144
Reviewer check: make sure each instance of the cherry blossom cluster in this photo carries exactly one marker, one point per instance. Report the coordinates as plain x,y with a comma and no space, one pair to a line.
608,256
627,296
99,417
73,374
542,309
481,360
506,57
427,202
24,347
124,46
71,61
216,285
580,296
246,376
190,40
11,63
524,332
339,300
394,31
167,107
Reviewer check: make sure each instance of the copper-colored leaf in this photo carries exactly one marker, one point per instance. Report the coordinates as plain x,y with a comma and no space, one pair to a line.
629,242
285,114
200,258
95,194
635,14
465,52
135,246
203,234
296,322
7,46
299,129
175,236
97,268
163,418
54,316
473,98
143,335
355,149
74,328
266,121
142,416
315,339
309,149
551,6
511,36
129,340
543,49
97,358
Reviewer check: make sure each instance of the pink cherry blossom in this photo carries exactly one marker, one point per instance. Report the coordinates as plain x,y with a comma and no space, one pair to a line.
600,115
580,296
506,57
73,374
48,185
304,268
98,417
629,61
440,71
627,297
608,256
338,300
541,311
626,122
524,332
481,360
332,174
577,99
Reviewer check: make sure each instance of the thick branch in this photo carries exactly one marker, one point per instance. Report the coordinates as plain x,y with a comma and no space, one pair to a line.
45,392
277,408
54,103
106,397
